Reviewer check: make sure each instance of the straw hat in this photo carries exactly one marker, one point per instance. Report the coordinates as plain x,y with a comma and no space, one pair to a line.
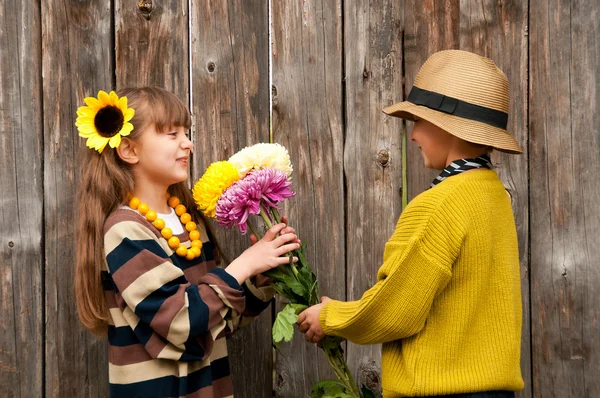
464,94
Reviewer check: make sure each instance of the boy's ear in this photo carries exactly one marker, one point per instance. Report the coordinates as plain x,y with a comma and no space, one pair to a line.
127,151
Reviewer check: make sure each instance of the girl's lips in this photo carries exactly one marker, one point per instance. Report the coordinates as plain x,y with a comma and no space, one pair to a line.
183,160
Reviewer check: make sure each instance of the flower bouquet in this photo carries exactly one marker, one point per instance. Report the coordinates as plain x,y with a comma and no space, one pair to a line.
252,183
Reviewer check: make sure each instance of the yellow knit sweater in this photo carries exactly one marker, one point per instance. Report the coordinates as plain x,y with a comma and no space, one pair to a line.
447,304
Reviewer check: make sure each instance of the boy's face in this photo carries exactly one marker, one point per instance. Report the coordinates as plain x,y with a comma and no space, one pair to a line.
435,143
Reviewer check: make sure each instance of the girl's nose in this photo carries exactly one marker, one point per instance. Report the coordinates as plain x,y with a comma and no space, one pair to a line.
187,144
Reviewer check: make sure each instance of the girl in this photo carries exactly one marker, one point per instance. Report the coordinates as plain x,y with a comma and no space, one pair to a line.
146,271
447,304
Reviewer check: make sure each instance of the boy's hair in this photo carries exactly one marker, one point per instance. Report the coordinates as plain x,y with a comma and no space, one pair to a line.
105,184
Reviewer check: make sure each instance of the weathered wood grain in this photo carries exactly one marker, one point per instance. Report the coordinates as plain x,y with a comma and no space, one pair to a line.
21,253
76,62
372,153
230,96
151,45
429,26
499,31
564,167
308,120
335,65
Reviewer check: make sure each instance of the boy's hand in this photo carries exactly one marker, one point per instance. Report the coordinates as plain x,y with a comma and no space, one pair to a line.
309,324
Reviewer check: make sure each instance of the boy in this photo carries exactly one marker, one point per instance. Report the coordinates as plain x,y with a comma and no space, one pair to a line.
447,304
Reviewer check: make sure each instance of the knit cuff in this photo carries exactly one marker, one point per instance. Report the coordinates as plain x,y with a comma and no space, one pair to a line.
227,278
335,309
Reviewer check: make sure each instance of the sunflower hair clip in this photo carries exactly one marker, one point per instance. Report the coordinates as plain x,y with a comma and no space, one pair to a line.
104,120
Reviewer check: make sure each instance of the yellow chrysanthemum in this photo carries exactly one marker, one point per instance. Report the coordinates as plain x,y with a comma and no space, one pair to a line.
104,120
261,155
216,179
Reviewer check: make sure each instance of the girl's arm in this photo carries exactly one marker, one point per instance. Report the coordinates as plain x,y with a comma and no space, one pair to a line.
259,295
258,290
160,299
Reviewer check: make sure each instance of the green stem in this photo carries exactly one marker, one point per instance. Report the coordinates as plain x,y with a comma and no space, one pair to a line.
277,217
276,214
253,230
335,356
331,345
265,217
293,266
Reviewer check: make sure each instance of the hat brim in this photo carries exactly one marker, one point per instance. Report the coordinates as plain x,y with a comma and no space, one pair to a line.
465,129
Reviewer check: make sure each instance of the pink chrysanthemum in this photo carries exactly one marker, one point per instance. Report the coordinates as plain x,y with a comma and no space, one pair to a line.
244,197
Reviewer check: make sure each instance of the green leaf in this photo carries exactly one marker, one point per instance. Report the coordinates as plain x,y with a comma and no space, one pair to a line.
309,280
296,286
329,389
282,289
366,392
283,328
306,276
332,345
298,307
301,256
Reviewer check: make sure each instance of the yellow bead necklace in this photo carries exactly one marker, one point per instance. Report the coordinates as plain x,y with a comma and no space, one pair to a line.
166,232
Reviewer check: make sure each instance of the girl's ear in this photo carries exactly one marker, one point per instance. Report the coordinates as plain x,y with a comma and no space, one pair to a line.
127,151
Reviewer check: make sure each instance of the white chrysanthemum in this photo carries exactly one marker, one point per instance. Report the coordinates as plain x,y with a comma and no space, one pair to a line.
261,155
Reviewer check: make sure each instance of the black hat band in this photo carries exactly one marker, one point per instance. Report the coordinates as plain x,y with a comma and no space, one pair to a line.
456,107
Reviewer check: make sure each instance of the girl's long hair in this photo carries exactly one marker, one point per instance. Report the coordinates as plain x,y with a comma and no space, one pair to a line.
105,184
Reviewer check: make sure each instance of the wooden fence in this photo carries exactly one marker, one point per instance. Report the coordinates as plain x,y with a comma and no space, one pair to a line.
318,72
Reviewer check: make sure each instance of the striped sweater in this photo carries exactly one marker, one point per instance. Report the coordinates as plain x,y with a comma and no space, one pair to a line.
169,316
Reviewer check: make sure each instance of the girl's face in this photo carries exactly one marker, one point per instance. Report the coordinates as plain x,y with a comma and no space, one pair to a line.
435,143
163,156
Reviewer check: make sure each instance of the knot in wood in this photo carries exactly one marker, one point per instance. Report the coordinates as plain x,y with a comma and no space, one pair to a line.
145,7
11,244
368,374
211,67
274,95
365,73
383,157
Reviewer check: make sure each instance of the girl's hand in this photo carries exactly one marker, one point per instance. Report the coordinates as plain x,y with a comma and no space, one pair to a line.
309,323
265,254
286,230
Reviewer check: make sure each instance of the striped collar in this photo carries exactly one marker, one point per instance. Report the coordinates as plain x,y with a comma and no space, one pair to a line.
462,165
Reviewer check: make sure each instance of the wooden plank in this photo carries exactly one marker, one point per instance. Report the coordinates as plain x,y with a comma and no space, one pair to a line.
372,153
430,26
230,95
307,72
76,42
499,31
21,257
565,162
151,43
308,120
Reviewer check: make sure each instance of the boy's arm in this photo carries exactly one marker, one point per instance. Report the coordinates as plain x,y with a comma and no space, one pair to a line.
396,307
417,266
